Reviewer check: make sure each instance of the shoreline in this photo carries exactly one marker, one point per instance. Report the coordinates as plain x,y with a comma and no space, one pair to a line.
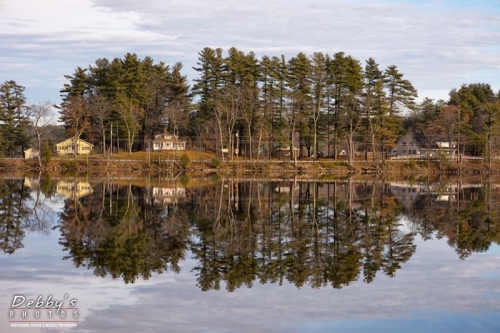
321,168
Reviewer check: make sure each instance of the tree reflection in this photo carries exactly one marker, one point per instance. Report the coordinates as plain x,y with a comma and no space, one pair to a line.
466,213
23,208
119,230
307,233
14,212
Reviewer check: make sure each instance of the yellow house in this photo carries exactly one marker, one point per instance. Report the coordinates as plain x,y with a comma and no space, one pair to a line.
31,153
73,189
70,146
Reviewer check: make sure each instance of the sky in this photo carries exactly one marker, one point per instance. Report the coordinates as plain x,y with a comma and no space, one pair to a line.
437,44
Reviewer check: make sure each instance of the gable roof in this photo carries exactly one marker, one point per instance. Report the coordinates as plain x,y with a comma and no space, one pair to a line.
166,137
72,139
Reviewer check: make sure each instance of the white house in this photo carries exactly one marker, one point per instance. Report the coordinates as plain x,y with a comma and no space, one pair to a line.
168,195
167,141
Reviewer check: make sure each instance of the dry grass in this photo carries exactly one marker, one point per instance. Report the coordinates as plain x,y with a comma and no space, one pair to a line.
142,156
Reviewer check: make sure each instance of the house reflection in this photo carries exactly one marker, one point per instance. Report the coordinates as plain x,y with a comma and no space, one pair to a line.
287,188
74,188
167,195
33,183
407,194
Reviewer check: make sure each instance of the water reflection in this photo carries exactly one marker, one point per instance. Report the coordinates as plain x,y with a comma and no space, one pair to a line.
241,232
123,231
23,209
467,214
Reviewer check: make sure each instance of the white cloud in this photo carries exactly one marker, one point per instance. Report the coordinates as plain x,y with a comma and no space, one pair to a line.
438,45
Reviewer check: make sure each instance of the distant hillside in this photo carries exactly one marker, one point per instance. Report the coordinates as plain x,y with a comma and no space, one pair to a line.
53,133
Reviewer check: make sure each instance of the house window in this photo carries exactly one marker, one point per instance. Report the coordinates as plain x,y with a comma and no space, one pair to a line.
404,143
414,152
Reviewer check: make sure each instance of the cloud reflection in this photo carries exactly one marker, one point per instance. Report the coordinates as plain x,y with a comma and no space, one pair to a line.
434,280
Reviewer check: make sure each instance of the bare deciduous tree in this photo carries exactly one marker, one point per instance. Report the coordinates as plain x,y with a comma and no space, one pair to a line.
76,114
40,115
177,118
100,108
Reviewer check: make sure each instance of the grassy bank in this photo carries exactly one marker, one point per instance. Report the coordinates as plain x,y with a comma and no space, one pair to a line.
195,162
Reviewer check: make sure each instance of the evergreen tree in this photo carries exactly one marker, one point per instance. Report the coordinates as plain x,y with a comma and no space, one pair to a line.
270,121
241,75
471,99
212,78
319,76
73,109
400,92
299,98
178,101
13,119
491,122
373,78
346,79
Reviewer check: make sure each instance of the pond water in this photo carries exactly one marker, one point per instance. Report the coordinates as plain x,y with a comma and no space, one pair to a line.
173,254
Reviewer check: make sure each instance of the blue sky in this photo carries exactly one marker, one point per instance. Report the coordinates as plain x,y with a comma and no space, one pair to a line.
437,44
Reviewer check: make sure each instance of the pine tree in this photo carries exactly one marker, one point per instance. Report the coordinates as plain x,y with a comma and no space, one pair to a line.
401,92
319,76
299,98
269,122
346,80
13,119
212,78
372,76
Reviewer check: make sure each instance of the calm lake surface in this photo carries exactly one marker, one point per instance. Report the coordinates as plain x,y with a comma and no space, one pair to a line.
164,254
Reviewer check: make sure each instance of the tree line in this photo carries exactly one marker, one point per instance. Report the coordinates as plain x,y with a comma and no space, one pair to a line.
305,101
240,104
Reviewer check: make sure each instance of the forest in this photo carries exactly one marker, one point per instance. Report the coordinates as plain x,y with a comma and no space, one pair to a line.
309,105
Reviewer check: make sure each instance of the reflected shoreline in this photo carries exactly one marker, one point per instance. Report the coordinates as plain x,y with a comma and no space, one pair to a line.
240,231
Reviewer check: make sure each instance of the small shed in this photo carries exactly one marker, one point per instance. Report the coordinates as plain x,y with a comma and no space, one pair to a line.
31,153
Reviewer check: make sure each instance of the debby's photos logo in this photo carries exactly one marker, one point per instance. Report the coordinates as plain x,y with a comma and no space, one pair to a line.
43,312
